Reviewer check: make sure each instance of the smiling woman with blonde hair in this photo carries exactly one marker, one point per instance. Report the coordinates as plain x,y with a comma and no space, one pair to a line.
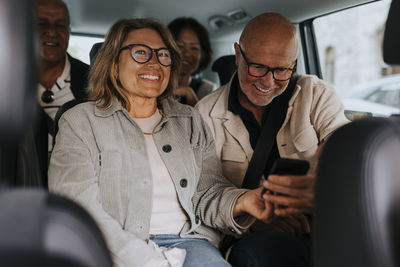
143,164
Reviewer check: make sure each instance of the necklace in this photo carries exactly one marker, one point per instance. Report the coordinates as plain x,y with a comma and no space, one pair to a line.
156,132
162,126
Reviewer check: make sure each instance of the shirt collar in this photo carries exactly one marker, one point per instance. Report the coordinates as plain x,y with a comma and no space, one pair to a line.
235,107
62,81
65,78
171,108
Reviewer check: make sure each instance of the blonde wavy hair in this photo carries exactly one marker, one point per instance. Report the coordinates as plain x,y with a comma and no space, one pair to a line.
103,82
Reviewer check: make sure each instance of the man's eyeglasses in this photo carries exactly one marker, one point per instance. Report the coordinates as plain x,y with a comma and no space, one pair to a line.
142,53
259,70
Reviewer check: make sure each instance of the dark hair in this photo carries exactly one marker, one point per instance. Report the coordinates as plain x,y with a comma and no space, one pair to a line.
178,24
103,81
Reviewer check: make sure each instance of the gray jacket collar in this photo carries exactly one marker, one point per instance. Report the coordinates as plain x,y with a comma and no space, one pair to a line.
171,108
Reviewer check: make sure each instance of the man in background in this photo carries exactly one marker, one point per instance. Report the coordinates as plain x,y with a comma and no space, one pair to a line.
62,78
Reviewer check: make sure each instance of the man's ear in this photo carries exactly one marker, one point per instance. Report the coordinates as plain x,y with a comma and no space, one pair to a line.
237,53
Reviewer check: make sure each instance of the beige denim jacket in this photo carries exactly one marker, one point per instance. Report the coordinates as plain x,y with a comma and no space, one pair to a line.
100,161
314,112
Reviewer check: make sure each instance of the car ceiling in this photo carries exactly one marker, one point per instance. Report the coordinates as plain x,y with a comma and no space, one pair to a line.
96,16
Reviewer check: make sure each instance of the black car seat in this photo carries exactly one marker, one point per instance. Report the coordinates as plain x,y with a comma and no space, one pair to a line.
357,200
42,229
391,42
36,228
225,66
93,51
357,216
18,161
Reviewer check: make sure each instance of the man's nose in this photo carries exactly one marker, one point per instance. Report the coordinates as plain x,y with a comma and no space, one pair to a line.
268,80
51,29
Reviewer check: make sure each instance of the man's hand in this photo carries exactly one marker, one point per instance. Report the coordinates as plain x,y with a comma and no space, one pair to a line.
251,203
293,194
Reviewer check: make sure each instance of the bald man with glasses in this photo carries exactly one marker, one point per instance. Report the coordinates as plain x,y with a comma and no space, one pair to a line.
265,99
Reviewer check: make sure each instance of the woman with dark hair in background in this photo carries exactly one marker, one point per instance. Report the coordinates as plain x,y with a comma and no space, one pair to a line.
194,46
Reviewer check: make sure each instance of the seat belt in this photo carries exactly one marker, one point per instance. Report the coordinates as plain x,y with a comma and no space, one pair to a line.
263,148
267,138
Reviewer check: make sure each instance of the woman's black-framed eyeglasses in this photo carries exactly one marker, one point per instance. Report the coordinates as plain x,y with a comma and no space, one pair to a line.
142,53
259,70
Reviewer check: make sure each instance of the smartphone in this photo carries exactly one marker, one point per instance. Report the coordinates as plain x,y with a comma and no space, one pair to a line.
284,166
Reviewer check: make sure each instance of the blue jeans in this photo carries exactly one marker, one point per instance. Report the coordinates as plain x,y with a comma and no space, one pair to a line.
199,252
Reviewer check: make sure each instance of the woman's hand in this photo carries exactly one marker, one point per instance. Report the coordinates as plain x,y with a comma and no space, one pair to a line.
187,93
252,204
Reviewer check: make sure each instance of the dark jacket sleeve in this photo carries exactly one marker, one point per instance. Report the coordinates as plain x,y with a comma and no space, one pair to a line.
79,78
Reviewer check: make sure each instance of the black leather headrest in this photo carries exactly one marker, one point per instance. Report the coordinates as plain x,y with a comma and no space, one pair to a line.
357,196
42,229
225,66
391,41
93,51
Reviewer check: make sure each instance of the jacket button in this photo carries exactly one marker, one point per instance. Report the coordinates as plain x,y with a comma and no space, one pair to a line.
197,219
167,148
183,182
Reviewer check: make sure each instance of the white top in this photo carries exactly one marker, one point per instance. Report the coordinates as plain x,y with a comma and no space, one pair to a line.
61,90
62,94
167,215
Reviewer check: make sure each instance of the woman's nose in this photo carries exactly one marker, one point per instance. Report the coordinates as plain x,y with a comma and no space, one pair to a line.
153,60
184,50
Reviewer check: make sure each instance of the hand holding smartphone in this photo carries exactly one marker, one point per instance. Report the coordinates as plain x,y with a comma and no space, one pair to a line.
285,166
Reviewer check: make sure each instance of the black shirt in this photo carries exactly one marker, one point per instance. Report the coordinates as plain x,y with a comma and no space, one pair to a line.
250,122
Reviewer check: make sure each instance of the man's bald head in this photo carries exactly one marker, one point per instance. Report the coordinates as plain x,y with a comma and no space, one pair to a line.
270,27
269,42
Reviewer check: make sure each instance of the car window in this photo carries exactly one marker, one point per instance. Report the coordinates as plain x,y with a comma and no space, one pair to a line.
350,53
79,46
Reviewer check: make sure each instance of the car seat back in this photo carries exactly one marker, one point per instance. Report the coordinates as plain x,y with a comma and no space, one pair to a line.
357,196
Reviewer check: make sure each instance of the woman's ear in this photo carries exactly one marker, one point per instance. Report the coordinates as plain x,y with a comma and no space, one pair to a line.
115,71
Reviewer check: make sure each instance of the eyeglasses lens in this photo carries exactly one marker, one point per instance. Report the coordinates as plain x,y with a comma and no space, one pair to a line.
280,74
143,54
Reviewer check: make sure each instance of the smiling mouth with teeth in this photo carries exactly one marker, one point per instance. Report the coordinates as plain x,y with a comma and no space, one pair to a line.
50,44
262,90
149,77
